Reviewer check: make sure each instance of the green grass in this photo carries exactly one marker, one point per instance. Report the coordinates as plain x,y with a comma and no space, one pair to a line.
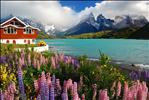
17,45
43,35
89,35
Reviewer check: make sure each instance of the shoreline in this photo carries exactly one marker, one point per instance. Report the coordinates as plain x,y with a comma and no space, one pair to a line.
123,65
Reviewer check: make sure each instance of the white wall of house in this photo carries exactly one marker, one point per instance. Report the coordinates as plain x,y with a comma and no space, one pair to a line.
18,41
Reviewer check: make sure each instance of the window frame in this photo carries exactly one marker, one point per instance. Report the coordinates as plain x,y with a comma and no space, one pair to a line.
28,30
10,30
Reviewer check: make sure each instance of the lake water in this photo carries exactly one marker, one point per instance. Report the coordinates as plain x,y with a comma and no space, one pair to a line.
124,50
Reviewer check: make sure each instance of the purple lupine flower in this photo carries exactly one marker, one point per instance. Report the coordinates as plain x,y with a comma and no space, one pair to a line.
52,91
46,91
65,94
2,59
58,87
134,76
39,97
21,84
145,75
1,95
42,86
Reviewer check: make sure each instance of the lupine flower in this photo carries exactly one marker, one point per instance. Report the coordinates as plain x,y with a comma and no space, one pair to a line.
69,83
42,86
9,92
83,97
48,79
75,93
1,95
113,88
21,84
2,59
125,90
46,91
94,91
34,63
53,63
119,88
58,87
36,85
29,59
38,65
39,97
52,91
103,95
65,94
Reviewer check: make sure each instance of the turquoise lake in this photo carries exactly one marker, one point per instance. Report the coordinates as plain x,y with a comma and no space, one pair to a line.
125,50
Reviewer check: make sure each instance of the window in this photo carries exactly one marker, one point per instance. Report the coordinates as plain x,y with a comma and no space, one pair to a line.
10,30
14,41
28,30
28,41
7,41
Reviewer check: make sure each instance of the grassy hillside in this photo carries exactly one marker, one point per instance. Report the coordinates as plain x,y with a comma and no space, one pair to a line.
131,32
42,35
142,33
89,35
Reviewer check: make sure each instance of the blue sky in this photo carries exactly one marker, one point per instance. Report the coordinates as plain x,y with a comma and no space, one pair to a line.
79,5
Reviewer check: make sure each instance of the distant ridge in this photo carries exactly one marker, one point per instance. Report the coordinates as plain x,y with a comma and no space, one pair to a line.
142,33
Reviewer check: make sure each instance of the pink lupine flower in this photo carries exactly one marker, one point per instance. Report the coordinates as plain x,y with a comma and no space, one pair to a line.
125,90
142,91
69,84
129,96
38,65
34,63
119,88
113,88
75,93
29,59
53,63
148,96
36,85
9,92
83,97
61,57
48,79
103,95
94,91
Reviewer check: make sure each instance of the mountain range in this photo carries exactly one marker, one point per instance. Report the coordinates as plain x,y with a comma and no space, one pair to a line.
91,24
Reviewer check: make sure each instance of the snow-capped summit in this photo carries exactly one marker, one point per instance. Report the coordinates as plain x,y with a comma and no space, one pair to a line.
129,21
104,23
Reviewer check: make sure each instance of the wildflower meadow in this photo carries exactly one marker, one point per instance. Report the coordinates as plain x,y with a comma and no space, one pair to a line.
28,75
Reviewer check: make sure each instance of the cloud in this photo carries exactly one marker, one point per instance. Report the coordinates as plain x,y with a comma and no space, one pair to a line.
52,12
48,12
110,9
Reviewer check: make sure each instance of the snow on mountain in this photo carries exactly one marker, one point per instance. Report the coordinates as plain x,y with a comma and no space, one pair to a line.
89,24
129,21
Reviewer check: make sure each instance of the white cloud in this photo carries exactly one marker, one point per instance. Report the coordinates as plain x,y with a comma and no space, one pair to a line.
52,12
110,9
48,12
